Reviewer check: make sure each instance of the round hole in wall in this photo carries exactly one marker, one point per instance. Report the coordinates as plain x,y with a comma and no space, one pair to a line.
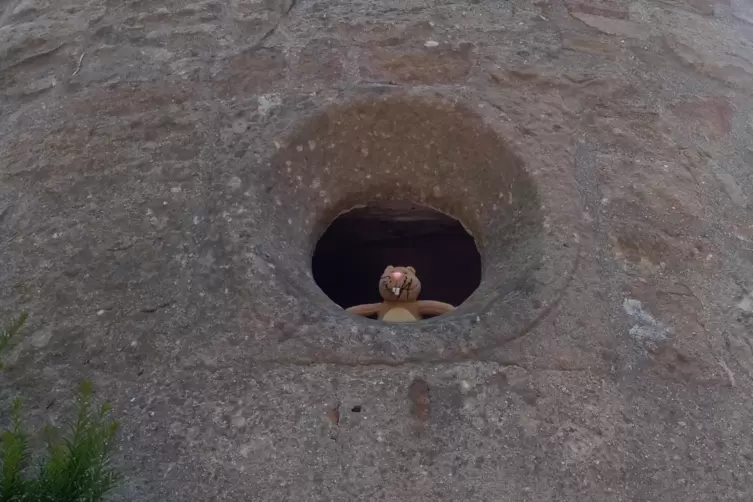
434,151
355,249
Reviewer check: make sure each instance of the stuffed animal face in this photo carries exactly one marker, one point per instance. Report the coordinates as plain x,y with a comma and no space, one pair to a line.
399,284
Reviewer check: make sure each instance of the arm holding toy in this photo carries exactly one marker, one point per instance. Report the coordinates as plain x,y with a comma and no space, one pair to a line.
366,310
432,308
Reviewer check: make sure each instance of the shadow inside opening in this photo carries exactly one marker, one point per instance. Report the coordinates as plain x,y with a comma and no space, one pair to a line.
355,249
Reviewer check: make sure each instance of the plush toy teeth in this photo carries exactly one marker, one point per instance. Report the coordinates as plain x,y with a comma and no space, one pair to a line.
396,291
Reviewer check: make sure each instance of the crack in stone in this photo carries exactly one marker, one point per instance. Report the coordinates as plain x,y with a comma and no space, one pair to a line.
152,310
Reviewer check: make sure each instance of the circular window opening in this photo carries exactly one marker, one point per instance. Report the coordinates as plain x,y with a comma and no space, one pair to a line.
360,244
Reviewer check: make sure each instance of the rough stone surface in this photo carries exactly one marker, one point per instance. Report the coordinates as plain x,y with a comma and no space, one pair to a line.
149,225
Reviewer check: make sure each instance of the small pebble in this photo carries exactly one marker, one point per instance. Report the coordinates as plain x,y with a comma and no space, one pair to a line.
431,43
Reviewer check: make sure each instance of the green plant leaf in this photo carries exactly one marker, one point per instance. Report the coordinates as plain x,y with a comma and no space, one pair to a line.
14,456
78,465
8,334
78,462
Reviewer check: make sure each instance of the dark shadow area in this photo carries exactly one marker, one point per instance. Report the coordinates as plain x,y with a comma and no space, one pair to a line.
355,249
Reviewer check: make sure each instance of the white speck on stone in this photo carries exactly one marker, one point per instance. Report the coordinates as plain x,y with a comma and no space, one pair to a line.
647,328
634,308
55,235
134,343
312,145
164,203
437,191
431,43
196,220
299,148
41,338
267,102
746,304
730,185
175,189
100,312
465,386
235,183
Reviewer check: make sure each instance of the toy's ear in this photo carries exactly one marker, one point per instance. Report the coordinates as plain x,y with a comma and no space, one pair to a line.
388,269
413,270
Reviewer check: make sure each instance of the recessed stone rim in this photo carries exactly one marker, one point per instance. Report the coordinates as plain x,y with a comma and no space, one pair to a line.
475,322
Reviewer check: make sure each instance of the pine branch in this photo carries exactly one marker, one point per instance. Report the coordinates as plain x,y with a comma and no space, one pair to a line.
78,467
15,456
8,334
